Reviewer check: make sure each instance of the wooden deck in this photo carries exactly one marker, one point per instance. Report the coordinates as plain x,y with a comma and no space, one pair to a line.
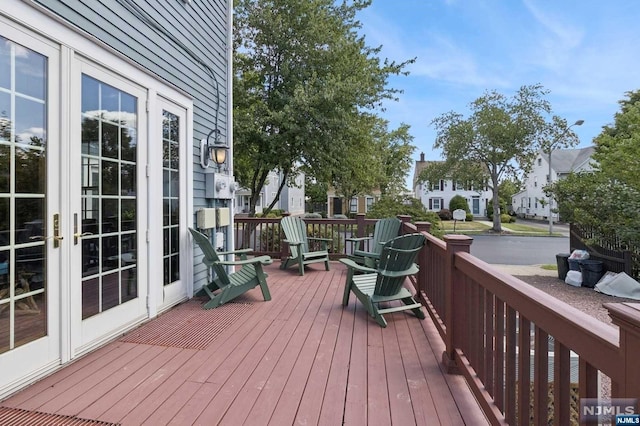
300,358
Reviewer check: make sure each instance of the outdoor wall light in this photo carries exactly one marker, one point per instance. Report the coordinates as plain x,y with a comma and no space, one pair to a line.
211,149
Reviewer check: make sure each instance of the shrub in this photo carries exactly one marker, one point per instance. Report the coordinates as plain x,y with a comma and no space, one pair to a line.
269,238
313,215
445,214
336,244
390,206
458,202
505,218
490,209
469,217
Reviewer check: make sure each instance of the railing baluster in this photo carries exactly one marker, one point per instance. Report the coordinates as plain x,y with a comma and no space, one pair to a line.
561,384
524,370
510,367
499,351
487,352
541,377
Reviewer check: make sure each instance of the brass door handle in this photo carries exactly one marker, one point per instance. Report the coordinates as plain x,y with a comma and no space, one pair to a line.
43,238
77,235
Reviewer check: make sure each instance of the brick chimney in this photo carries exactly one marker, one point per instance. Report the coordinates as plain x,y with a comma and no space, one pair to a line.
422,156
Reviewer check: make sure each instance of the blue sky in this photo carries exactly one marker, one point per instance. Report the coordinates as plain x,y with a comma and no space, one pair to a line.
586,53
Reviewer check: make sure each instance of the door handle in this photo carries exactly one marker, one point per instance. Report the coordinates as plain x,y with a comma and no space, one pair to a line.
78,235
56,233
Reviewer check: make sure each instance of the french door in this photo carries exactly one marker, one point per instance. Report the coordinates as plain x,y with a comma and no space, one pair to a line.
89,157
108,199
30,226
172,139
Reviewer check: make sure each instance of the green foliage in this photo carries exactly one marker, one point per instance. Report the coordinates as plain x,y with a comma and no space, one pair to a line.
499,139
272,214
269,238
335,246
458,202
390,206
503,208
507,188
445,214
306,86
609,198
505,218
469,217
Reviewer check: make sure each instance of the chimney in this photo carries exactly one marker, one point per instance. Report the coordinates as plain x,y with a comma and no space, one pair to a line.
422,156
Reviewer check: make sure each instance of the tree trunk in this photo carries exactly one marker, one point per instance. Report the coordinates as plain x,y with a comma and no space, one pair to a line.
497,226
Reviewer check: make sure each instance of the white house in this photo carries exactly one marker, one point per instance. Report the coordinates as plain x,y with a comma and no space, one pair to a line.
292,197
436,195
531,202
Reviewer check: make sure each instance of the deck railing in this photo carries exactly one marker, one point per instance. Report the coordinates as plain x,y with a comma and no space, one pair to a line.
527,356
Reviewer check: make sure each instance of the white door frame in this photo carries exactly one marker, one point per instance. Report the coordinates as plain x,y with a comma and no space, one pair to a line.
168,295
93,331
26,362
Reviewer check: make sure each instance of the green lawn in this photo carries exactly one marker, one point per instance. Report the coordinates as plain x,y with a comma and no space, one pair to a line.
464,227
474,227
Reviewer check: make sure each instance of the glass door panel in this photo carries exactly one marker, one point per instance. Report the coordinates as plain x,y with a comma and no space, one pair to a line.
107,189
108,196
23,195
173,162
29,189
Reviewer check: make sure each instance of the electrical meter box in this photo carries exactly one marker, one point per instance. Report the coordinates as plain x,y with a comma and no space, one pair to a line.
206,218
219,186
223,216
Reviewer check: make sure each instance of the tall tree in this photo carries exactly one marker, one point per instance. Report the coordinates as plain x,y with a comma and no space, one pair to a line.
302,77
608,198
498,140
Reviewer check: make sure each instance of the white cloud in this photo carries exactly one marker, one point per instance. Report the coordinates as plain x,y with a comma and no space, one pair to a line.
26,135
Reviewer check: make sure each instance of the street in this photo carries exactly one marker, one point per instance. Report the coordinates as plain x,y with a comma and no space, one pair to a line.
512,250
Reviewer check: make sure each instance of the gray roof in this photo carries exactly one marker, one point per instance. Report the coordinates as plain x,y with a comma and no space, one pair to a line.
567,160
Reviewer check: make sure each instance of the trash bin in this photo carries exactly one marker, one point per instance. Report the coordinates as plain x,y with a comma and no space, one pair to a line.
592,271
574,264
562,260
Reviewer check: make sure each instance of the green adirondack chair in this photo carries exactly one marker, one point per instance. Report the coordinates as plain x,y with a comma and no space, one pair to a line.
385,283
225,287
384,230
295,231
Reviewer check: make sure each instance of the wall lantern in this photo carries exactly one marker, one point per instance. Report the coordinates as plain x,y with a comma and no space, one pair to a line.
211,149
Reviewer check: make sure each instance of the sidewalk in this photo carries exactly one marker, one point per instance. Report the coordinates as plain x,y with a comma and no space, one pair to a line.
557,228
525,270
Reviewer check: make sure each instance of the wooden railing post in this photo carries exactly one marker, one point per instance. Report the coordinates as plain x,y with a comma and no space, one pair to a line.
454,298
403,218
424,227
360,226
627,317
423,264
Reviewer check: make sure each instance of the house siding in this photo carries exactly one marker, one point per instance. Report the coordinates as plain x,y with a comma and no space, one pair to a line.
114,24
531,202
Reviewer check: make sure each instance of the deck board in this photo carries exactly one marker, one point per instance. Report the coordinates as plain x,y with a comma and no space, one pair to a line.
301,358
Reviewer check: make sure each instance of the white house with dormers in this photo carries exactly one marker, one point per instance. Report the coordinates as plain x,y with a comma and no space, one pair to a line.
436,196
532,202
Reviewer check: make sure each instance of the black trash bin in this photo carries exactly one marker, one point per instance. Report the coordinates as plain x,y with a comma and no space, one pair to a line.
592,271
562,260
574,264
